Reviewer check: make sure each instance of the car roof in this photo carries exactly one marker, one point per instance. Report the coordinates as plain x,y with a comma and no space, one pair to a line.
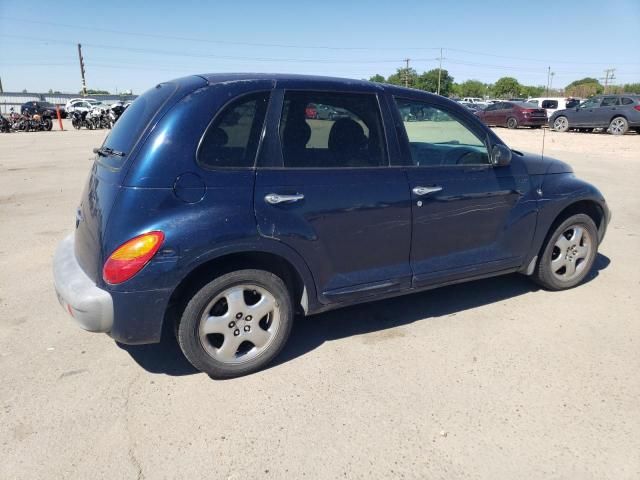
301,81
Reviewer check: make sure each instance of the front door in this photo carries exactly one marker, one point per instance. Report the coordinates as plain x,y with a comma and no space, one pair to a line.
469,217
331,196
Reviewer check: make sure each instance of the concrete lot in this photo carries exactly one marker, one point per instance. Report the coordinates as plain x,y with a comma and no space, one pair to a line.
494,379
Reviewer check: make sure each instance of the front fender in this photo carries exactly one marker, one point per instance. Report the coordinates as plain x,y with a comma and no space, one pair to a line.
559,192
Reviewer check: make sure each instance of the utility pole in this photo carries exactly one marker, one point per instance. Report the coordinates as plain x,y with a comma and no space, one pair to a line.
406,72
608,77
84,84
550,75
439,71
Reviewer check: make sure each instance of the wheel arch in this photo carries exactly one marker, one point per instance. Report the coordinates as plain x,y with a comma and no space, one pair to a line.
588,207
294,273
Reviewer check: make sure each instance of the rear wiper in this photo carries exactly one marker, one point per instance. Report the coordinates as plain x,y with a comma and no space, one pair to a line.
105,151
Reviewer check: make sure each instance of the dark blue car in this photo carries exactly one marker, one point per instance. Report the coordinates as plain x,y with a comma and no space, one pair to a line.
217,204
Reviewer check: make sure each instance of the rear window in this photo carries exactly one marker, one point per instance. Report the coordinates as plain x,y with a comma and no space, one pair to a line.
135,119
627,101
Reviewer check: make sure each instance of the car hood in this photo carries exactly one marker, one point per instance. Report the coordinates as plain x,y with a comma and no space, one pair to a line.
538,165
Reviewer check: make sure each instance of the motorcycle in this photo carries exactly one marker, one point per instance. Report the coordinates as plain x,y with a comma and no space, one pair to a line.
5,125
115,112
80,120
40,122
98,117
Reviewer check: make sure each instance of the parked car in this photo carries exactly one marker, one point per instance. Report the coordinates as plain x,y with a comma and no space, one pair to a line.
513,115
223,231
552,104
473,100
38,108
84,105
616,113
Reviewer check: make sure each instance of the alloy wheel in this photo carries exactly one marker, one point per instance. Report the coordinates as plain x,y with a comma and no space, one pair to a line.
571,253
239,324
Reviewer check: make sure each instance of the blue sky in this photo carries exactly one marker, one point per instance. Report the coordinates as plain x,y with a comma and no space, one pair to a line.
134,45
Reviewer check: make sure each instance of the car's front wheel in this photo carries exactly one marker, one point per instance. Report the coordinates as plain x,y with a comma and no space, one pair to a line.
618,126
512,122
568,254
236,324
561,124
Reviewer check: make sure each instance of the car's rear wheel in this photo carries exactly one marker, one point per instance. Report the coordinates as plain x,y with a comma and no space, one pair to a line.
236,324
568,254
618,126
561,124
512,122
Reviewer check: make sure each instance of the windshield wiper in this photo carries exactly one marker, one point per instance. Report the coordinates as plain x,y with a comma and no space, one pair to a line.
106,151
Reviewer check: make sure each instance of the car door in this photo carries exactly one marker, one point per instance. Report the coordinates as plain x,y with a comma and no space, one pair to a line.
502,113
586,114
469,217
608,108
324,188
488,115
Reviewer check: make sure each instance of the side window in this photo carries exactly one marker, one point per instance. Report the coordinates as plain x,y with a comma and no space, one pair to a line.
535,102
626,101
491,107
549,104
232,139
331,130
609,101
437,138
591,103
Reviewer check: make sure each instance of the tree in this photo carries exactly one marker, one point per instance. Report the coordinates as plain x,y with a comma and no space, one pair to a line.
631,88
534,91
429,81
401,74
471,88
585,87
506,87
377,78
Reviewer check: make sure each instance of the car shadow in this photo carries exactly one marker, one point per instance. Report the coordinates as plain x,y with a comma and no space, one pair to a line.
311,332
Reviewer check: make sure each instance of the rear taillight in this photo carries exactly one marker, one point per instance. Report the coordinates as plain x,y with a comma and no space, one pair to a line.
637,107
130,257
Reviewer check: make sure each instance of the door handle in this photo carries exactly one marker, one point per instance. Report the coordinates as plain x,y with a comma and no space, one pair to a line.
426,190
274,198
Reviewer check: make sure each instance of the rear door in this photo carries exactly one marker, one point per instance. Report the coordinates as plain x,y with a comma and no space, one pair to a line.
324,187
469,217
608,108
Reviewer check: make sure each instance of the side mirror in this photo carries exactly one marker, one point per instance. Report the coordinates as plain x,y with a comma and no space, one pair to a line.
500,155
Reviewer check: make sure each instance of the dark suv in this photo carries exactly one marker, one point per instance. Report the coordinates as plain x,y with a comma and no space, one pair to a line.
616,113
216,204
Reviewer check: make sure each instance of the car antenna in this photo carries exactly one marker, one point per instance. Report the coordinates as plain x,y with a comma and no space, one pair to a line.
544,131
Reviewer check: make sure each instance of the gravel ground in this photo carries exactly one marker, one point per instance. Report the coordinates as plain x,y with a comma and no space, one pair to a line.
492,379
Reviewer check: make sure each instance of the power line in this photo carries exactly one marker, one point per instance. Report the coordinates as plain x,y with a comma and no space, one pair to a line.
297,46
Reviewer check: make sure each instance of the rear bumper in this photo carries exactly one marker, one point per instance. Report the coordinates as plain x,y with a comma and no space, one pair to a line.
90,306
527,122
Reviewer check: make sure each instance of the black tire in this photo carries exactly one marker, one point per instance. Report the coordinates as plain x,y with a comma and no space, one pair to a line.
560,124
48,124
618,126
637,129
543,274
188,330
512,122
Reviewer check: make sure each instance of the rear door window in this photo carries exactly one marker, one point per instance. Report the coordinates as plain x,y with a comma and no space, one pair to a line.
627,101
610,101
331,130
549,104
231,141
